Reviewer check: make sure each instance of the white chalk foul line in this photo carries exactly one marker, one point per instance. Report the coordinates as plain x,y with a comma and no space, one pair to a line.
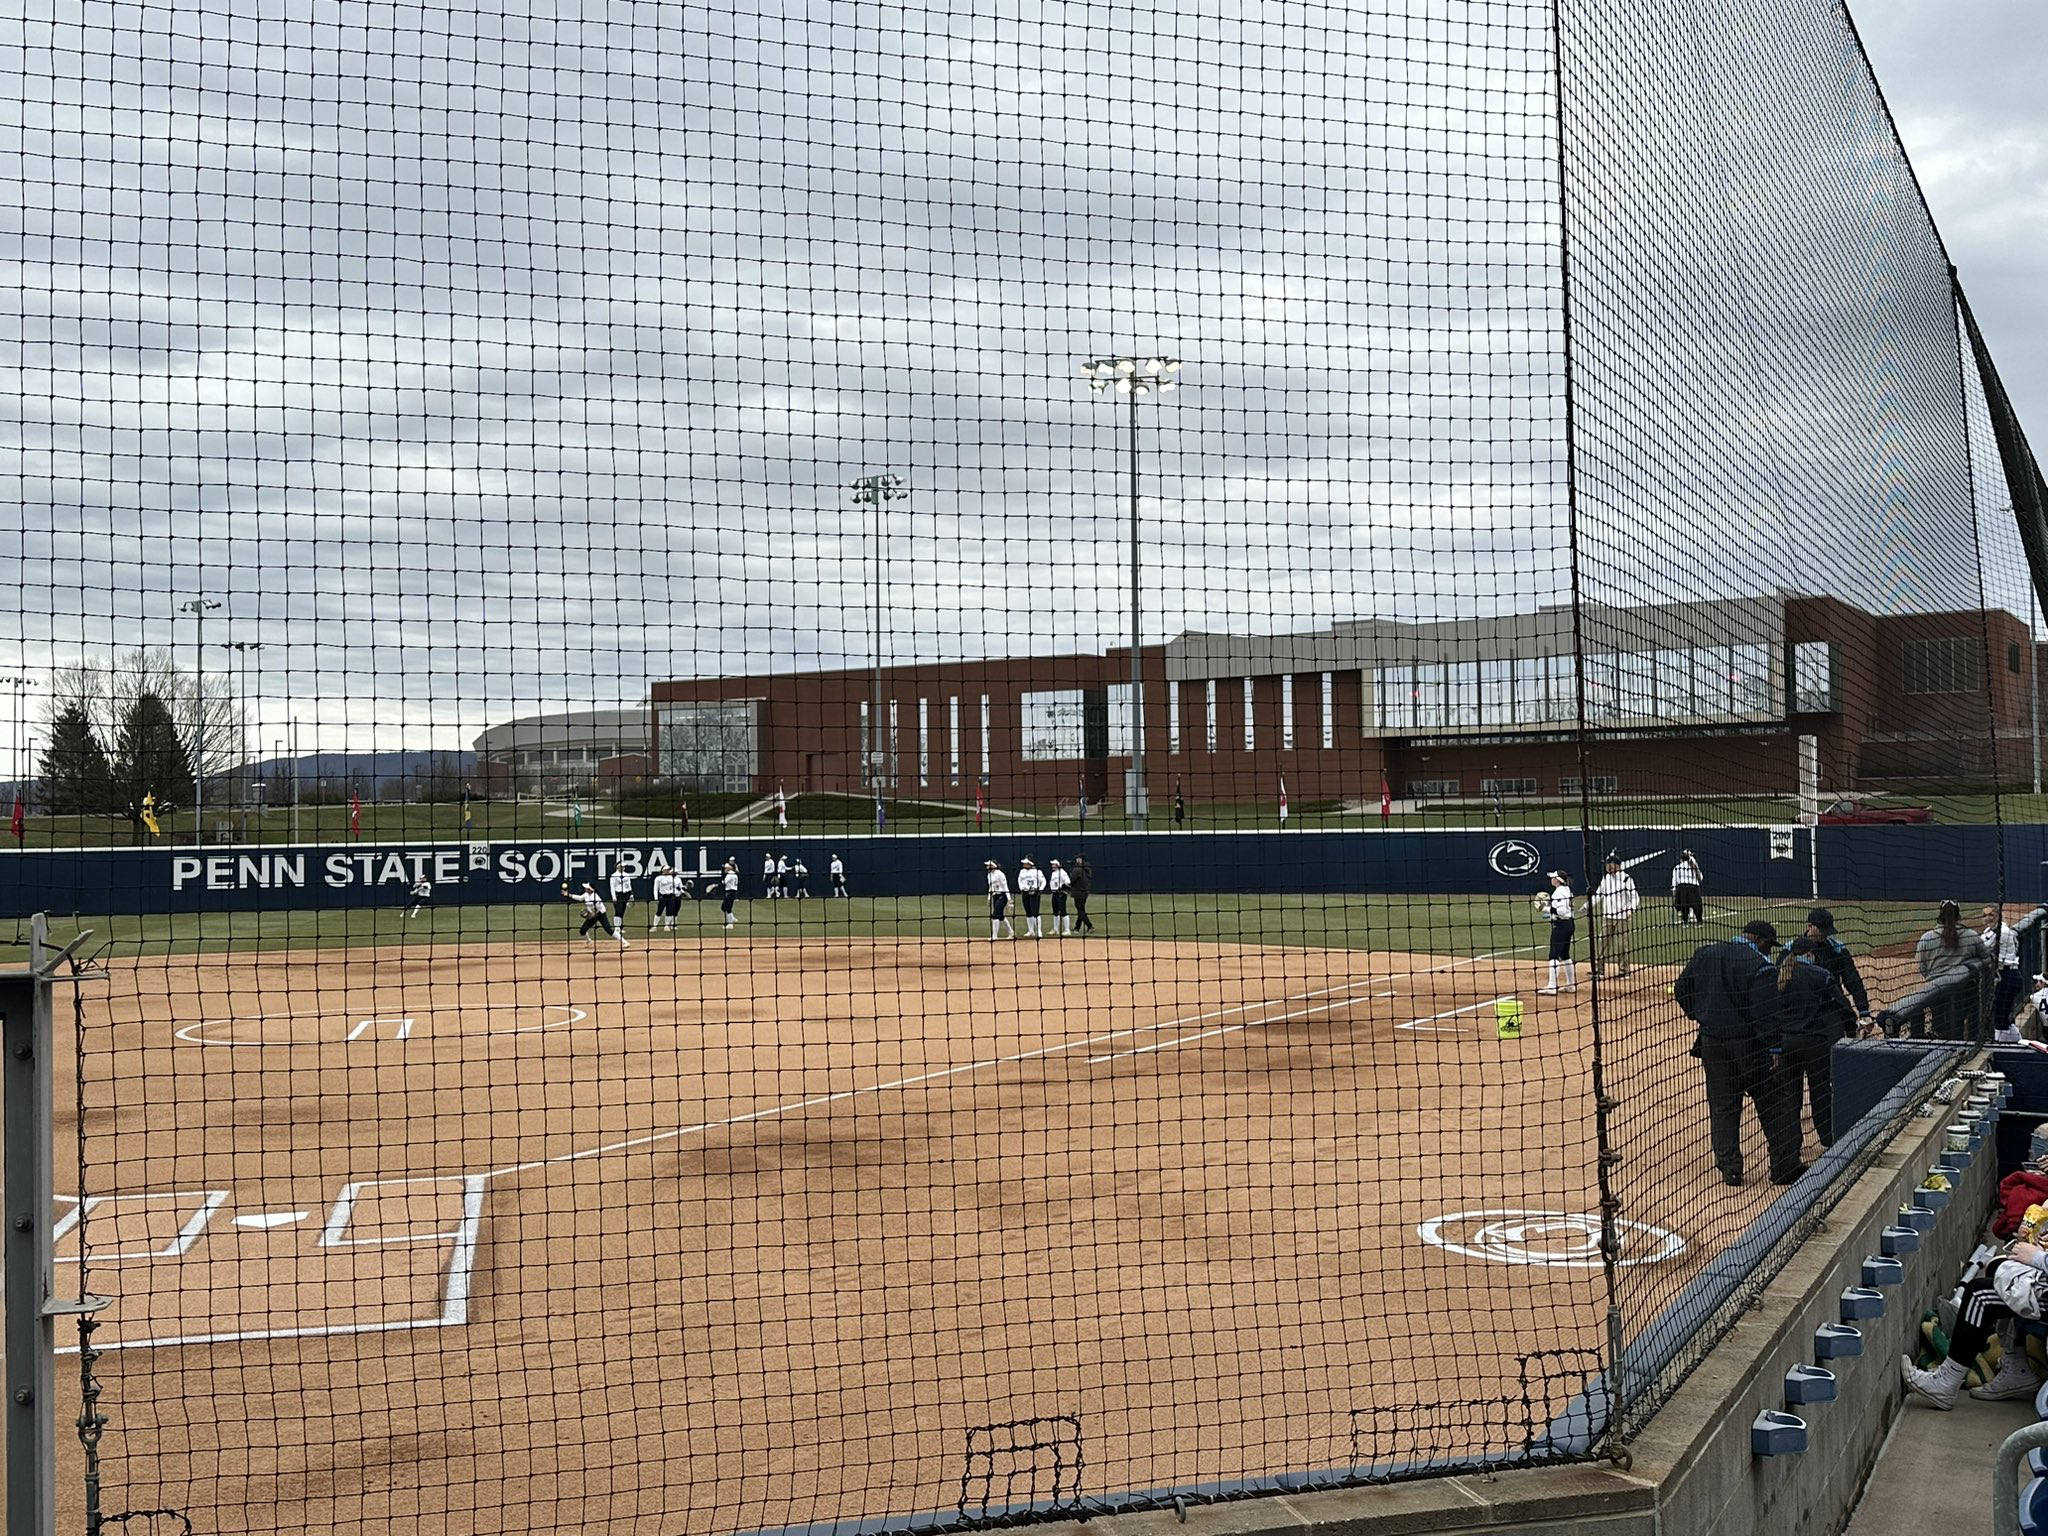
774,1111
1431,1026
1231,1029
462,1259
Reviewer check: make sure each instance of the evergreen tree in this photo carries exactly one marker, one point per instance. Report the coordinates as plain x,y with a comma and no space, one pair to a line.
149,755
77,780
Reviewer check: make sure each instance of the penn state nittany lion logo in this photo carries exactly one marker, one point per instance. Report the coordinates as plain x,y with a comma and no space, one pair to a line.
1514,858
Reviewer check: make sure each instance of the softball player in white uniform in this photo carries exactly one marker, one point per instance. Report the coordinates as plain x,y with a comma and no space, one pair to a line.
668,901
1557,906
595,915
1030,888
998,902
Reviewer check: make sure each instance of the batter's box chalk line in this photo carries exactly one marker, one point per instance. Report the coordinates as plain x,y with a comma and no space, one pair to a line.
458,1279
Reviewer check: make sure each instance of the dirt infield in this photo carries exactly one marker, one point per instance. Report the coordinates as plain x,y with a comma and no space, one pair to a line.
713,1236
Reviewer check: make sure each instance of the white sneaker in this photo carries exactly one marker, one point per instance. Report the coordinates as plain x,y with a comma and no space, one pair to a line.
2016,1378
1930,1387
1546,991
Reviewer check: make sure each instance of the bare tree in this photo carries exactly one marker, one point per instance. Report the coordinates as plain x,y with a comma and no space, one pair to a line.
204,708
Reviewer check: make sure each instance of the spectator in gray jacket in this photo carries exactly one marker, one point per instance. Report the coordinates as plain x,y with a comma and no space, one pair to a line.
1948,945
1944,949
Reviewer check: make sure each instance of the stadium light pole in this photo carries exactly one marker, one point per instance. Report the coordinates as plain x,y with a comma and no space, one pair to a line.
20,682
875,492
1134,378
199,608
242,648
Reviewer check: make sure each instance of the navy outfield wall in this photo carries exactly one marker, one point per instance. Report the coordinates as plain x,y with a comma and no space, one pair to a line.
1912,863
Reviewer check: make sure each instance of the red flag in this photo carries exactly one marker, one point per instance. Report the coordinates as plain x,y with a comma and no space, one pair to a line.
980,802
19,824
355,815
1386,798
1283,802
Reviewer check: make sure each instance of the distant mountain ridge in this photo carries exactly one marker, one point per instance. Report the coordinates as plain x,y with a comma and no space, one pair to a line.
365,770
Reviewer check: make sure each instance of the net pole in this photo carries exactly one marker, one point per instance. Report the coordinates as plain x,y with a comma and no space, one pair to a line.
1134,795
27,1263
1605,1156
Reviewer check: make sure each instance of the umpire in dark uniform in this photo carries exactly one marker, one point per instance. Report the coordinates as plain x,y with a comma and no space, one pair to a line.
1833,956
1729,990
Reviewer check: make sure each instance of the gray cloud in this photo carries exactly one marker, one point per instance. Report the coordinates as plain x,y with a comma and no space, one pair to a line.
485,362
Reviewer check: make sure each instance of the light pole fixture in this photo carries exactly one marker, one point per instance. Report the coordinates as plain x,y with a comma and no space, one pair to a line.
1134,378
242,648
874,492
199,608
20,682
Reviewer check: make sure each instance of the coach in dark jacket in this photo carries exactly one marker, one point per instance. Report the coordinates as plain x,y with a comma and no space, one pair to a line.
1082,874
1834,957
1808,1003
1738,1046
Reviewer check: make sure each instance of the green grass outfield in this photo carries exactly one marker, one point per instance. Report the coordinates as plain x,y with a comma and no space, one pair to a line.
508,821
1448,925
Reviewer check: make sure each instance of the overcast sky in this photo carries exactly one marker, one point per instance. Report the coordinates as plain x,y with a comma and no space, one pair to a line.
482,362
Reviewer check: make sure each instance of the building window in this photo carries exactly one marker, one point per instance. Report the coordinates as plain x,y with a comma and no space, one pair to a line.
1813,677
1497,693
1209,715
1429,697
1749,678
2012,657
1507,786
1173,717
1462,684
1287,711
1329,737
1675,699
1393,699
1637,673
953,737
1564,686
1437,789
984,738
1052,727
1251,723
1603,784
924,741
1942,666
1603,687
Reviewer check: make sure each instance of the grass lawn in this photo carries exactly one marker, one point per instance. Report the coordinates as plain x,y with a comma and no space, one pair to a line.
1448,925
825,816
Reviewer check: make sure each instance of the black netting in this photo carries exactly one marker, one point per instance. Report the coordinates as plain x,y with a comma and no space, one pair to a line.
1091,593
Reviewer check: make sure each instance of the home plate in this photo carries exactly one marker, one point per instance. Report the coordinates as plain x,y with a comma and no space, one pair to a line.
268,1219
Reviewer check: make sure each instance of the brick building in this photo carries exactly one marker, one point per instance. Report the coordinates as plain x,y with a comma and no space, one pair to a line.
1681,699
